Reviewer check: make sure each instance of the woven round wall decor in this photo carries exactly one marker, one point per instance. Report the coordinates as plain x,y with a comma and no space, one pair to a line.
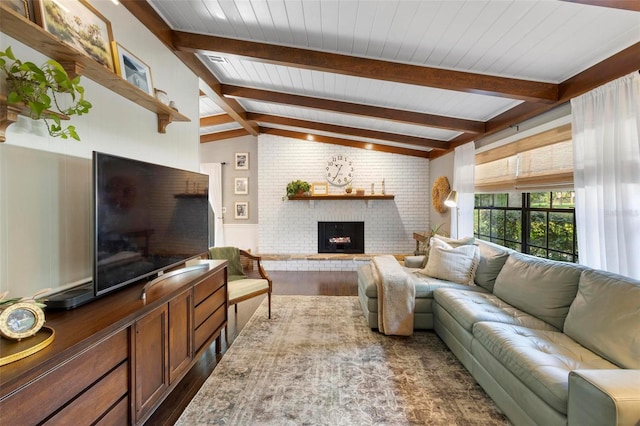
439,193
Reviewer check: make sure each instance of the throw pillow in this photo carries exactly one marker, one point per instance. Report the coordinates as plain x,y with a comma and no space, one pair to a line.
455,264
451,242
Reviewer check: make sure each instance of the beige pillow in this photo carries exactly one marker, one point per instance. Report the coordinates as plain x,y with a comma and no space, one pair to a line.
455,264
450,241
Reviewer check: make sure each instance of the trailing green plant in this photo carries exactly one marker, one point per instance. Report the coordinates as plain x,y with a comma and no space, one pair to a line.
297,186
39,89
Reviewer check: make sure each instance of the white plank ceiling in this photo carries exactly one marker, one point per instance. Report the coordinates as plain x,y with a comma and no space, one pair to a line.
541,41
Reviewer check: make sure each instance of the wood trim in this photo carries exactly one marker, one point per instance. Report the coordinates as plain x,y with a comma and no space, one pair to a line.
550,137
617,4
346,142
616,66
215,120
409,117
369,68
218,136
365,133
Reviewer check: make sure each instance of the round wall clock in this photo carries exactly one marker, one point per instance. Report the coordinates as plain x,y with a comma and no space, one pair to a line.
20,320
339,170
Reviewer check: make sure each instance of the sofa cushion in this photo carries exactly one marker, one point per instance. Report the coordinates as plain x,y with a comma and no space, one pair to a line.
456,264
544,288
540,359
451,241
470,307
605,317
492,259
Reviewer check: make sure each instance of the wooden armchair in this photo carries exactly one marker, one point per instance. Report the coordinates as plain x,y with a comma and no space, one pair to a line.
247,278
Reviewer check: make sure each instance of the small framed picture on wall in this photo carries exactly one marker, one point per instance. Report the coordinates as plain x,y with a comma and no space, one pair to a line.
242,210
241,186
242,161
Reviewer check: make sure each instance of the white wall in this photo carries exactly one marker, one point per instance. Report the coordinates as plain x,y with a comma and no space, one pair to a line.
290,227
45,183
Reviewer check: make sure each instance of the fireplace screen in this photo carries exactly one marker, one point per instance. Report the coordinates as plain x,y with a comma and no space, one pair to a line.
340,237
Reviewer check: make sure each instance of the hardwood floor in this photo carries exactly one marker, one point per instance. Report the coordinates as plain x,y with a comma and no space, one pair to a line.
292,283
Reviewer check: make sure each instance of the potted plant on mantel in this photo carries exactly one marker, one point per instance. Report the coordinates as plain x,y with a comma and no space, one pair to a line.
297,187
42,90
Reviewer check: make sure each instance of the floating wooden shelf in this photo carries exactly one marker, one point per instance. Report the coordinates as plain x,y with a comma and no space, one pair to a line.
35,37
9,114
190,195
366,198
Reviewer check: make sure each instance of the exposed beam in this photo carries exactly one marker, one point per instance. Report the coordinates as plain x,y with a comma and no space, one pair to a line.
526,90
218,136
143,11
365,133
408,117
346,142
622,63
617,4
214,120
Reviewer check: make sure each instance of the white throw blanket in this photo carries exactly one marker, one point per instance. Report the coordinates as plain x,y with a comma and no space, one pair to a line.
396,296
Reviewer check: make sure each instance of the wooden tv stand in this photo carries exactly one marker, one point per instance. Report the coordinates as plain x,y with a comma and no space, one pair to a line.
114,360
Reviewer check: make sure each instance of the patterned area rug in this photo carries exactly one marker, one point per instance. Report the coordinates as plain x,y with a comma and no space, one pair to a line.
317,363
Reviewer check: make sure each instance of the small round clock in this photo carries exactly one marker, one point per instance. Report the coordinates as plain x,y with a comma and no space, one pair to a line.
339,170
21,320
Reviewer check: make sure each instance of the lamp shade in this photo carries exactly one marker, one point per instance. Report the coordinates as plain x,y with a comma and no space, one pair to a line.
452,199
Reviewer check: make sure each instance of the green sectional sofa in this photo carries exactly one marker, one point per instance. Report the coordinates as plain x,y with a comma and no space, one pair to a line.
552,343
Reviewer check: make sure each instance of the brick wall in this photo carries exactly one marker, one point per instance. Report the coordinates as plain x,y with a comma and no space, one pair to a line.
290,227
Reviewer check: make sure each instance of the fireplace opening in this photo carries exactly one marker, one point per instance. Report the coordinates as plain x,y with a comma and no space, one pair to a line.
340,237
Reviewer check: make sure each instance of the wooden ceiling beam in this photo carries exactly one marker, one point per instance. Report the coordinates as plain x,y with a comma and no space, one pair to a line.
526,90
622,63
346,142
616,4
408,117
143,11
218,136
215,120
364,133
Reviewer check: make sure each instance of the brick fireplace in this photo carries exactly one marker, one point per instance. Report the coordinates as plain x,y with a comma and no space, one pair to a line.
290,228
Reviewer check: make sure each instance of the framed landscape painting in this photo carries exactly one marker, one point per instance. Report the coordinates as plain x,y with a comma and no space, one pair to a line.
79,25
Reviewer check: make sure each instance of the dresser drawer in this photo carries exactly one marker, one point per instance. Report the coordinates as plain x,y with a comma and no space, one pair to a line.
93,403
209,305
47,394
118,415
208,286
209,326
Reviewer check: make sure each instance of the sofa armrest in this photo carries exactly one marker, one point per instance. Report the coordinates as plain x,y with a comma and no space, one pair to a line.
413,261
604,397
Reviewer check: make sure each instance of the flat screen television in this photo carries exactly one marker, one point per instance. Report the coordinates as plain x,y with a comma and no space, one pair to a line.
148,218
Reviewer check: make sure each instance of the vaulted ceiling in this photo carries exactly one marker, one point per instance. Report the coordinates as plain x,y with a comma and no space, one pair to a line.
405,76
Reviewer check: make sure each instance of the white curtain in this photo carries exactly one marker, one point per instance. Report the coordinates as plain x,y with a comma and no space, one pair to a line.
214,170
606,128
464,165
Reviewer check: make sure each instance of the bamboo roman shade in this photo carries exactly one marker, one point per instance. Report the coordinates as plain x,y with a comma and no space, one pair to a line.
540,162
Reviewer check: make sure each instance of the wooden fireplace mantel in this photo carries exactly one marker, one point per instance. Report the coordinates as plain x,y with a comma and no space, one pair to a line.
368,199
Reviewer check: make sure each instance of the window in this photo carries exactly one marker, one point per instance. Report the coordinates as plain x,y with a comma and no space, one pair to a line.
539,223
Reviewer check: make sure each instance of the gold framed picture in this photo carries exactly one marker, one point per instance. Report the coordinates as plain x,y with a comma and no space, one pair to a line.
319,188
79,25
